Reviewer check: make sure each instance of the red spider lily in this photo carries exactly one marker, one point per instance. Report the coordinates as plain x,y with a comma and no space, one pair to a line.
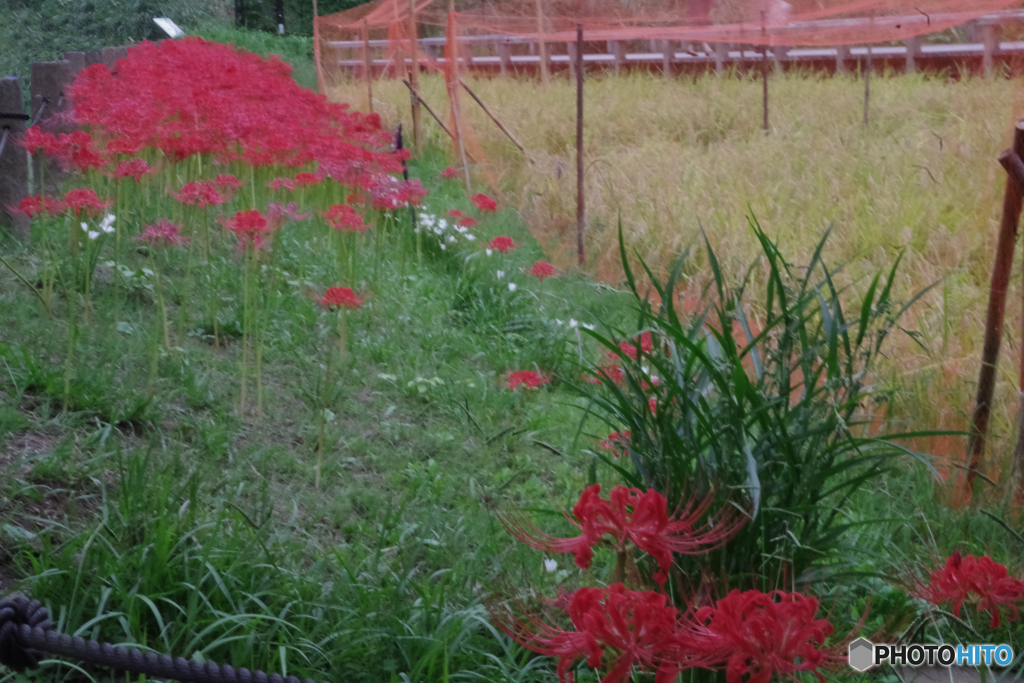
33,206
83,199
614,440
200,193
528,377
652,403
763,634
502,244
340,297
454,213
393,193
278,211
70,149
615,629
164,232
542,269
36,140
355,198
467,222
132,168
632,517
196,97
249,227
278,183
307,179
613,372
341,216
450,172
978,580
226,180
646,345
484,203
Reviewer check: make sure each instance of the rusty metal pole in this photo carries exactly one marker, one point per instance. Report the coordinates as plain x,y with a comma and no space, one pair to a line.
996,310
579,142
414,75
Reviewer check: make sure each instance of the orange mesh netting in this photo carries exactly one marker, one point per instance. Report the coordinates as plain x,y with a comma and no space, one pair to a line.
771,22
758,22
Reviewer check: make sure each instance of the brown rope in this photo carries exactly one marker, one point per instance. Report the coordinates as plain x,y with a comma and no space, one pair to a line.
26,635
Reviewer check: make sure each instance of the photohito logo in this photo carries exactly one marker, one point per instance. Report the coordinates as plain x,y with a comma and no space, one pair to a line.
864,654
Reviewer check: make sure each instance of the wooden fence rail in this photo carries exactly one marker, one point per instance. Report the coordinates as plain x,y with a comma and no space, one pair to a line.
505,52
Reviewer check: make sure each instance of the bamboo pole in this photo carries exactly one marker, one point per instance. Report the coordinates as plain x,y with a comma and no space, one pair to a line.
414,76
496,121
579,143
453,91
367,66
321,84
996,309
541,50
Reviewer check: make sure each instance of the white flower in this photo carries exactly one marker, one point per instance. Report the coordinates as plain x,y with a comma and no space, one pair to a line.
107,225
559,321
501,274
550,565
442,224
93,234
451,238
589,327
441,244
511,286
572,322
646,370
470,237
85,227
489,252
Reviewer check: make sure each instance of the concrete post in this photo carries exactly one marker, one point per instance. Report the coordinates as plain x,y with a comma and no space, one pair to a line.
913,48
50,81
13,158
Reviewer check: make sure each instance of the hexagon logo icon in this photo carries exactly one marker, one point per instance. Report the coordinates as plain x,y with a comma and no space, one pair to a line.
862,654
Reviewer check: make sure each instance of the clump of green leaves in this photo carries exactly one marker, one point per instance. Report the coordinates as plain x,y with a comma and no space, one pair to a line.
773,414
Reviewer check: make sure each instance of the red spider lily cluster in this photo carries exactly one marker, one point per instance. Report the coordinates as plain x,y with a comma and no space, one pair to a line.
344,217
616,629
164,233
132,168
541,270
753,635
528,378
200,193
976,580
73,150
77,201
763,634
502,244
484,203
450,173
614,440
340,297
250,228
632,518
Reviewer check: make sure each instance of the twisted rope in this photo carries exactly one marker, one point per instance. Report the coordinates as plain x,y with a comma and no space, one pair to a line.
26,635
